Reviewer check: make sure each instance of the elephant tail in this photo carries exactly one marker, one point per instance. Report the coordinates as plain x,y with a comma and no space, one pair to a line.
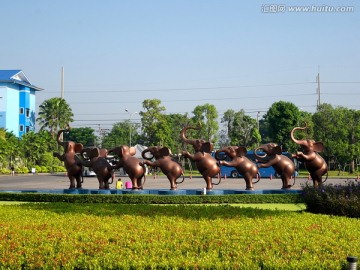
183,179
220,178
326,178
112,177
144,175
258,177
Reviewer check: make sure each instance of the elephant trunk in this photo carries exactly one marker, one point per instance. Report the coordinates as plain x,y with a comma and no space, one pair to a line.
218,157
82,154
183,135
59,136
257,155
148,157
293,131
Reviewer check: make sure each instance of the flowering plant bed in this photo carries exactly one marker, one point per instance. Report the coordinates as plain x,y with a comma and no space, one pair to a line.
108,236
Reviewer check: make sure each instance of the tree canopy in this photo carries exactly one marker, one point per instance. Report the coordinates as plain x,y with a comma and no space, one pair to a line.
54,114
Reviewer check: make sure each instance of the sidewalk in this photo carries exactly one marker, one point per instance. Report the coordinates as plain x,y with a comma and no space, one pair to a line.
61,181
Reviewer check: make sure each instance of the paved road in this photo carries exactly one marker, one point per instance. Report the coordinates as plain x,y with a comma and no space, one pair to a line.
60,181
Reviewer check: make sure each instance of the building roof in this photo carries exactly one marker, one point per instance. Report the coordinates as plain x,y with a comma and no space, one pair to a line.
16,76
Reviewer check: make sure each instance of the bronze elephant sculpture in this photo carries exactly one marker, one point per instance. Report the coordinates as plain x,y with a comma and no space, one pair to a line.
205,163
313,162
163,160
96,158
73,167
240,162
282,165
131,165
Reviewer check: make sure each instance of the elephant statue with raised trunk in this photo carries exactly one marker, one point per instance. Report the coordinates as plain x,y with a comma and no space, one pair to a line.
73,167
313,162
163,160
240,162
131,165
282,165
205,163
96,158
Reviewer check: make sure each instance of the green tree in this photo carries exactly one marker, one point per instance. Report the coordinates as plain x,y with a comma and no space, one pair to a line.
54,114
83,135
176,123
36,146
241,129
120,135
206,116
9,148
156,130
339,130
280,119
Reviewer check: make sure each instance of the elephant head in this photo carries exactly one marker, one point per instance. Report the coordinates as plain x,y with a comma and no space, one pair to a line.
155,152
269,149
307,145
199,145
93,152
123,151
90,153
69,146
231,151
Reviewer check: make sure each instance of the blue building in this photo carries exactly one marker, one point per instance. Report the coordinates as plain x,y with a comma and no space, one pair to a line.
17,102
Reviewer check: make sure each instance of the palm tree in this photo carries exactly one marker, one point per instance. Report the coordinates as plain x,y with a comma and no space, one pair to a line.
54,114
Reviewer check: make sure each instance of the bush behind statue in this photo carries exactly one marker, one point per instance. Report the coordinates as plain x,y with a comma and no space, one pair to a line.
339,200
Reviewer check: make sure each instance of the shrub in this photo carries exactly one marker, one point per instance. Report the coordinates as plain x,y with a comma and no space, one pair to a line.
340,200
103,236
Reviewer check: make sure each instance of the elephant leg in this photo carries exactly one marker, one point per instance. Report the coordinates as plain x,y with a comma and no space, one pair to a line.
78,182
285,180
208,180
248,181
106,184
72,181
134,184
173,185
139,184
317,180
101,183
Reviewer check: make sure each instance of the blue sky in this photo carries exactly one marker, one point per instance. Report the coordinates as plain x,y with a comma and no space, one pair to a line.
228,53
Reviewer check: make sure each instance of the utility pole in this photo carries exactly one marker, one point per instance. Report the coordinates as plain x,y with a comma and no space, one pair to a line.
318,88
62,82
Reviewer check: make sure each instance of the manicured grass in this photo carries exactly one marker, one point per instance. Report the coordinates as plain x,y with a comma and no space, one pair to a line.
112,236
274,206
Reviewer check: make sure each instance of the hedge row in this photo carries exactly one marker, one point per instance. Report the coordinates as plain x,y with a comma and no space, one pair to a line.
339,200
153,199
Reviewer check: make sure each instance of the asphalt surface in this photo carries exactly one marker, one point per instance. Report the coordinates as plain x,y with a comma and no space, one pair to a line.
61,181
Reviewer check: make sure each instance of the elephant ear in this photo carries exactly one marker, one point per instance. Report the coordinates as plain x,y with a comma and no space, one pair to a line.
132,150
277,150
241,151
94,152
165,151
319,147
78,147
207,147
103,152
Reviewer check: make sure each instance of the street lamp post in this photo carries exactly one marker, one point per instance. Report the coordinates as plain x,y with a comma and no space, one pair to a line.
130,128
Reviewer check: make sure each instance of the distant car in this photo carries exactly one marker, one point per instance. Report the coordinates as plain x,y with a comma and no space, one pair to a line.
88,172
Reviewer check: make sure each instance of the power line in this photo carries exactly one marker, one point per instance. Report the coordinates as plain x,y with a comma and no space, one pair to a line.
190,88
